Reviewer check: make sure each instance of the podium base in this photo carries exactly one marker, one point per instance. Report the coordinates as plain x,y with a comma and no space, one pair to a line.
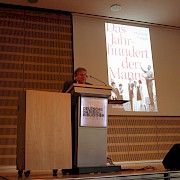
87,170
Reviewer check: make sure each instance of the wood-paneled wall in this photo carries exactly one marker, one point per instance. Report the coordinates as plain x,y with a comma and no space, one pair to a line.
141,138
36,53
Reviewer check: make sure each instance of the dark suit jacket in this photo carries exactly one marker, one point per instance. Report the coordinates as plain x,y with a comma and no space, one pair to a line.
67,84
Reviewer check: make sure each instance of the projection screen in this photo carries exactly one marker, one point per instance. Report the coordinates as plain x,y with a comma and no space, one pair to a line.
139,61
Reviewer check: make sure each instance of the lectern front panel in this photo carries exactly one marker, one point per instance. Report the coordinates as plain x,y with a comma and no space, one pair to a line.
92,132
92,147
93,112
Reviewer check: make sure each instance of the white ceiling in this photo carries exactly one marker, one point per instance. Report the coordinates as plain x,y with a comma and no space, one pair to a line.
166,12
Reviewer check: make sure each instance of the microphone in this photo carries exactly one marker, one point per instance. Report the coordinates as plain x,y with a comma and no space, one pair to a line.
98,80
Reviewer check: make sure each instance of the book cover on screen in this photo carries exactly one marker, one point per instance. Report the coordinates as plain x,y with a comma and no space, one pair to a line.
130,67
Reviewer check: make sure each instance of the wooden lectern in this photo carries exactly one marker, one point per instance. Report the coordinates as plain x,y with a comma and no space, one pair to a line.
89,129
44,131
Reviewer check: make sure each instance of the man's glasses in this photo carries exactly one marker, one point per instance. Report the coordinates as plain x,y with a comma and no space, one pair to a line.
83,75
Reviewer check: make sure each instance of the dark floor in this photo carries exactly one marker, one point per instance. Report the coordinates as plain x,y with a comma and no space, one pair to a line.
143,172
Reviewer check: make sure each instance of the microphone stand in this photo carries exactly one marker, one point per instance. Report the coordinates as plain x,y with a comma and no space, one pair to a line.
98,80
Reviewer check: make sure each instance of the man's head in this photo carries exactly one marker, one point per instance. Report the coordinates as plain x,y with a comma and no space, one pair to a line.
80,75
113,84
149,67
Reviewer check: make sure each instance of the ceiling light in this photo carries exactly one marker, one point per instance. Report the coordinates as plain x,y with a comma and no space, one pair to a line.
115,7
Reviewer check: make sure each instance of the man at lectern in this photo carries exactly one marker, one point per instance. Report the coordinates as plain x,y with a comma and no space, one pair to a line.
80,75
